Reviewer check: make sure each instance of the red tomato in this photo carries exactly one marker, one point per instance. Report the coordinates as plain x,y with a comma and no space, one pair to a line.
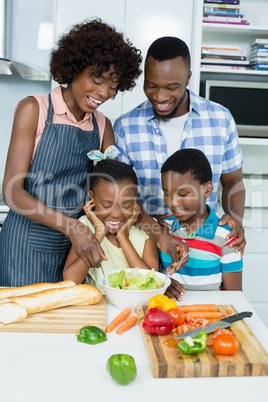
226,344
177,315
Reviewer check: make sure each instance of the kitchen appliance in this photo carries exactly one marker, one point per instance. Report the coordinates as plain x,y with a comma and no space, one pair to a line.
247,101
8,66
224,323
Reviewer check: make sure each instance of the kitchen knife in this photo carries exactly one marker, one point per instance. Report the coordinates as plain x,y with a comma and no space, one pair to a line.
224,323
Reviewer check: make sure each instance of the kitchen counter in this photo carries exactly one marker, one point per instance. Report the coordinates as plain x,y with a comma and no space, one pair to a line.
57,368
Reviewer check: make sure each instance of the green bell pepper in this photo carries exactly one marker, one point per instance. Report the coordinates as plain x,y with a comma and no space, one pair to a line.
122,368
91,335
193,345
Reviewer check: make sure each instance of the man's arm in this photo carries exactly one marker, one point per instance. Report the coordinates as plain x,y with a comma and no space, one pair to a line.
233,203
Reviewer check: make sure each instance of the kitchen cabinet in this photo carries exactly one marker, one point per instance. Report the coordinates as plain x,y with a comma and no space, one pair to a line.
142,22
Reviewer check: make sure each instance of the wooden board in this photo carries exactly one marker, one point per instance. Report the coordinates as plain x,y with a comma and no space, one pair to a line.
166,362
66,320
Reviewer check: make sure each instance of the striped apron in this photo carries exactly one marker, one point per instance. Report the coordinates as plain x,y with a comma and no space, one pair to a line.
30,252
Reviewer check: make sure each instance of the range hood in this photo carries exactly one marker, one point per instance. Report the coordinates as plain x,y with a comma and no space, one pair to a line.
7,65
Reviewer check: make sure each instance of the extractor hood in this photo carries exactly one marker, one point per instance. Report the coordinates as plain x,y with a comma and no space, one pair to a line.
9,66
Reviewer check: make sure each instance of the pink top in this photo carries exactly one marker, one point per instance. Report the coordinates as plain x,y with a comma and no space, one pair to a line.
62,115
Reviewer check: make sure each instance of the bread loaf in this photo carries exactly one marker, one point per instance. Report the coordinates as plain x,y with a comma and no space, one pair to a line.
11,312
36,287
54,298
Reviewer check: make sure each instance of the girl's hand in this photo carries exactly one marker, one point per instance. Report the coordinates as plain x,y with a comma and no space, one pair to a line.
130,222
100,228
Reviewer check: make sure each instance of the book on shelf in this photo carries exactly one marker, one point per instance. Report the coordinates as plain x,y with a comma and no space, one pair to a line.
259,41
259,52
221,10
260,67
222,52
222,1
221,6
222,57
226,22
223,19
222,67
220,47
222,61
222,15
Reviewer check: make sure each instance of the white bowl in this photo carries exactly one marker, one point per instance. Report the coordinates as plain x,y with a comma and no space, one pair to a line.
131,298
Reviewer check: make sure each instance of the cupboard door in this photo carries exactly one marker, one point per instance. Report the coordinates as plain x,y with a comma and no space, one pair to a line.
149,20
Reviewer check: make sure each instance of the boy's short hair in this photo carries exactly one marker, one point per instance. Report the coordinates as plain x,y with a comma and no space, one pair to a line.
168,48
189,160
112,170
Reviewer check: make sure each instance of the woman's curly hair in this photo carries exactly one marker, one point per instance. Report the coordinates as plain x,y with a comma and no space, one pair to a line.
97,44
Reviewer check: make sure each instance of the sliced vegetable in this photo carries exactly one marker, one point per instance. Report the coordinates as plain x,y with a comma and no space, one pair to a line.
91,335
122,368
193,345
128,323
163,301
177,315
226,344
199,307
157,322
205,314
118,319
133,280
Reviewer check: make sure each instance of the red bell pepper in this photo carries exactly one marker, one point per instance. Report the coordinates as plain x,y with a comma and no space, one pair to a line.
157,322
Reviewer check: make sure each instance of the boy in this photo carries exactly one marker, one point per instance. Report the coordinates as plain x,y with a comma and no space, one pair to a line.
187,183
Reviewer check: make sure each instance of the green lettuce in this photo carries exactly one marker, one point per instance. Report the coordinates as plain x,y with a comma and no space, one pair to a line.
134,281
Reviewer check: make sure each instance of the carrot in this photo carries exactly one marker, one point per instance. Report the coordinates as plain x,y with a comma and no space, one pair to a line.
199,307
118,319
205,314
128,323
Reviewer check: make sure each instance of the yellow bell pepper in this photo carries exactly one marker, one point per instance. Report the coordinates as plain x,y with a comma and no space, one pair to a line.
162,301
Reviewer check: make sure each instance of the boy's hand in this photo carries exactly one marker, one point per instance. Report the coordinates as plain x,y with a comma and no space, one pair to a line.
175,290
100,228
176,249
123,231
237,229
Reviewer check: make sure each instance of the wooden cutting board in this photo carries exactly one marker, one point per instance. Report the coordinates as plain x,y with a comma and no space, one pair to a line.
166,362
65,320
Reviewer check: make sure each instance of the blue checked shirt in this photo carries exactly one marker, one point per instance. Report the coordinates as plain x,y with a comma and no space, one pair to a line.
210,127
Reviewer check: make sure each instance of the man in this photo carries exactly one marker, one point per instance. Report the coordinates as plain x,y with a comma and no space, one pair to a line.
174,118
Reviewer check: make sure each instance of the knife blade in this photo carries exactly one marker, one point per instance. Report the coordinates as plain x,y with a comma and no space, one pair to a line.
224,323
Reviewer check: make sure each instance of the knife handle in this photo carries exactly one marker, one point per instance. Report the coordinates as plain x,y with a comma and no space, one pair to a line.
237,317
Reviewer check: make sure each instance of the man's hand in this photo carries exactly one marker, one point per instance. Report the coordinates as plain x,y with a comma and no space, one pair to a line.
175,290
237,229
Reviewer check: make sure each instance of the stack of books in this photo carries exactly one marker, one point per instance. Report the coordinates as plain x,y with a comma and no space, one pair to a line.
224,57
223,12
259,55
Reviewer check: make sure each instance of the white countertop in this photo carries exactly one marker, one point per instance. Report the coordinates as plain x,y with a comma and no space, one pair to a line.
57,368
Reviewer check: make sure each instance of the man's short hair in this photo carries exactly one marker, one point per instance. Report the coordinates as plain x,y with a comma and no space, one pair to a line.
189,160
168,48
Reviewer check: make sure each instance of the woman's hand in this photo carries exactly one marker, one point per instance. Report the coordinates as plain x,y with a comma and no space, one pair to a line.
176,249
123,231
237,230
85,245
100,228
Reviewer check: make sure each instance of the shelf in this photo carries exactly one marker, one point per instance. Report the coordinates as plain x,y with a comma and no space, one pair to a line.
227,71
253,141
246,29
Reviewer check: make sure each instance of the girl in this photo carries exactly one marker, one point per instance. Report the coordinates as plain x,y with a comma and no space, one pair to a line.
113,193
45,176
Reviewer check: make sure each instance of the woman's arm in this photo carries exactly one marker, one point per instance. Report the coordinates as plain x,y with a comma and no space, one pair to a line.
16,197
74,269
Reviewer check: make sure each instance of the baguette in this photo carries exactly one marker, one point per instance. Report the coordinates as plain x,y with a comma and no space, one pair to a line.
36,287
11,312
54,298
